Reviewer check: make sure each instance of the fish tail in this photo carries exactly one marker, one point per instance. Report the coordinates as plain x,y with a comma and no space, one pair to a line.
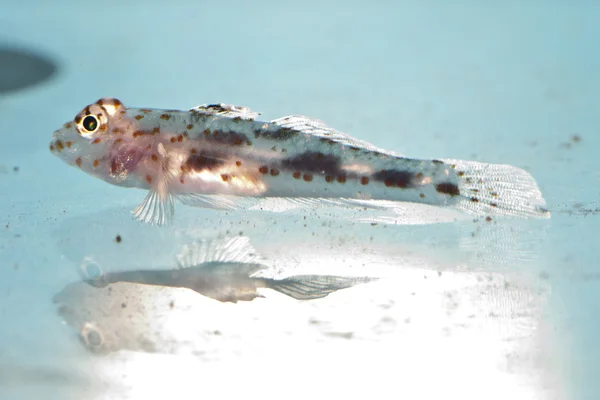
485,189
310,287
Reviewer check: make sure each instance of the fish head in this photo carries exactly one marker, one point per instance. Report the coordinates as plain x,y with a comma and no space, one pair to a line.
98,141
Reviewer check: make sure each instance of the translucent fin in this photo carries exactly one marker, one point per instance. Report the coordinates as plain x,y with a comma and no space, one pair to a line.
320,129
156,209
218,202
498,190
226,110
275,204
158,206
229,250
309,287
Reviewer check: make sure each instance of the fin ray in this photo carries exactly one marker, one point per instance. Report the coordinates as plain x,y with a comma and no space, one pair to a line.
498,189
156,209
226,110
236,250
315,127
310,287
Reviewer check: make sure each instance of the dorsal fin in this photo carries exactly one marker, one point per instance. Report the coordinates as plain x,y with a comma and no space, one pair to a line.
228,250
226,110
319,129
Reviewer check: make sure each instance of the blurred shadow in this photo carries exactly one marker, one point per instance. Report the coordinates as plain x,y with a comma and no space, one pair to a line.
20,68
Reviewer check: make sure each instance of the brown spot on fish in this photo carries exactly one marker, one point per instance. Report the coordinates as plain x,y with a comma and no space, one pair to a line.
315,162
394,178
447,188
488,218
341,179
494,194
154,157
117,130
137,133
422,195
494,204
238,163
189,127
181,180
180,138
225,177
96,141
166,117
474,200
148,179
146,110
460,173
138,117
185,134
437,161
78,162
118,239
69,144
307,177
68,125
173,139
103,128
202,161
364,180
207,132
263,169
228,138
274,172
59,145
119,140
296,175
279,134
96,163
193,150
51,147
328,178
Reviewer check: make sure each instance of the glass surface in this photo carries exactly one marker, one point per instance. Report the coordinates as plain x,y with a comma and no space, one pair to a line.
496,309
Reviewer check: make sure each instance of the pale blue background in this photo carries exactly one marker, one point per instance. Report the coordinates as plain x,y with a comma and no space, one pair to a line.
505,82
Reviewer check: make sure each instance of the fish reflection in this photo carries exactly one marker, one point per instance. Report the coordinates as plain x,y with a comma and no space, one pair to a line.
133,309
223,270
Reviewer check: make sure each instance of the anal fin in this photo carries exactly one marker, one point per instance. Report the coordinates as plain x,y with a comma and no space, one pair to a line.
310,287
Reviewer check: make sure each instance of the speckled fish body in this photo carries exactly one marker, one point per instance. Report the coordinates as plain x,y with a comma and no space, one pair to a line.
221,156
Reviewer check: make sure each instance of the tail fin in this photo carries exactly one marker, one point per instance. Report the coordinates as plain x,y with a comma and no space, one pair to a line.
498,190
309,287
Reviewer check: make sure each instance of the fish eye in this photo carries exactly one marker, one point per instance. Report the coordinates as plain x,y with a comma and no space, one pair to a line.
90,123
91,120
